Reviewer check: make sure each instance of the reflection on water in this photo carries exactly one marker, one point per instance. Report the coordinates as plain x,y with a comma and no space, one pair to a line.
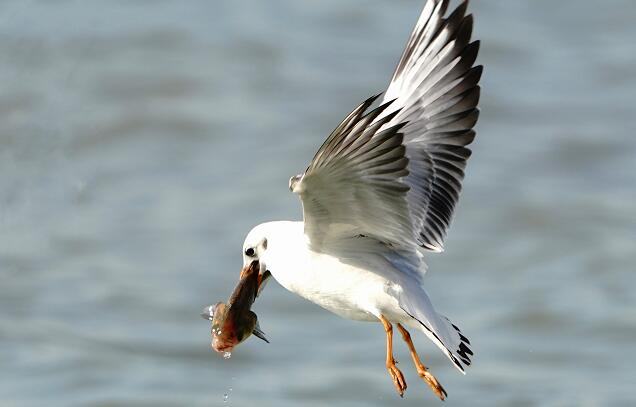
142,140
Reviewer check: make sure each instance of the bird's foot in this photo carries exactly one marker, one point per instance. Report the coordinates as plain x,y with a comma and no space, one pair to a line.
437,388
397,377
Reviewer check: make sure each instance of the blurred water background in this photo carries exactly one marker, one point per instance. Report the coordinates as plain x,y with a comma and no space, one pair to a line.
141,140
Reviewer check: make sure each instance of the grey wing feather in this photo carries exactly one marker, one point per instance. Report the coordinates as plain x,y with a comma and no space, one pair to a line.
435,88
353,185
394,173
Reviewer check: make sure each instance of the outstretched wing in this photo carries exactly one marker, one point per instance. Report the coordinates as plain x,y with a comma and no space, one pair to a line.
394,173
353,184
435,92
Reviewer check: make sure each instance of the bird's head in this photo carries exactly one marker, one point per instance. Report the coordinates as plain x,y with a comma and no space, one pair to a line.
255,249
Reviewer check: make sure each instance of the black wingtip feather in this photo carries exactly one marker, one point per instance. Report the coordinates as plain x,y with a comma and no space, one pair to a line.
463,350
458,14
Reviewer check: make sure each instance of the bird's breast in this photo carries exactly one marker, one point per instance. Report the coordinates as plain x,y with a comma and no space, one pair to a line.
343,289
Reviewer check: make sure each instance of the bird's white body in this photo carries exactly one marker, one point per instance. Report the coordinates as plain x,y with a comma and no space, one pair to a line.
362,285
348,290
381,190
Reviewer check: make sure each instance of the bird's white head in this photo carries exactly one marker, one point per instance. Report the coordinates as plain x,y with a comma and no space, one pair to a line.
255,244
257,247
274,245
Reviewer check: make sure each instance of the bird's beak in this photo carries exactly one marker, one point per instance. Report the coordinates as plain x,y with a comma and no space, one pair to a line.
263,276
262,280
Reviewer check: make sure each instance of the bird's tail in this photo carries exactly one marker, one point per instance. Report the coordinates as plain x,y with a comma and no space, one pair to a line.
439,329
457,345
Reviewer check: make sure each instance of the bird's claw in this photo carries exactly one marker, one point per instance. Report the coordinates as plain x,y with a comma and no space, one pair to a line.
432,382
398,378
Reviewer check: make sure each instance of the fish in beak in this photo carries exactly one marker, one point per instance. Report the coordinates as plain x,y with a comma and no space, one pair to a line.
233,322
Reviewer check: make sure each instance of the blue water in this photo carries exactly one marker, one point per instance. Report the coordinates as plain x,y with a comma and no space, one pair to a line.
141,140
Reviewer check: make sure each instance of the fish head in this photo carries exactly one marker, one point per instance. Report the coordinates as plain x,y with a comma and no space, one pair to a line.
231,328
237,331
223,331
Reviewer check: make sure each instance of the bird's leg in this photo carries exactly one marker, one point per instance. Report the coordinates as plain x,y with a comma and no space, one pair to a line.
396,374
422,371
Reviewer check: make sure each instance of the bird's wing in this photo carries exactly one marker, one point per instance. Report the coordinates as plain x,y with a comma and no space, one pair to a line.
435,92
353,185
394,173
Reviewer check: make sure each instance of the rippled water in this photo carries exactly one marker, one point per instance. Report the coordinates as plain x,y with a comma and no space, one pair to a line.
140,140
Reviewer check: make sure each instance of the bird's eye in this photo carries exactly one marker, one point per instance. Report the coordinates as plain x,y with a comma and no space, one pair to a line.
249,252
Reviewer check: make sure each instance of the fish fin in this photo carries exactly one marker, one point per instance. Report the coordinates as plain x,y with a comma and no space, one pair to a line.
259,334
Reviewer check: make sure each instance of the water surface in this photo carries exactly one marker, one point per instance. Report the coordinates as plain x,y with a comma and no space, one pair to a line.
141,140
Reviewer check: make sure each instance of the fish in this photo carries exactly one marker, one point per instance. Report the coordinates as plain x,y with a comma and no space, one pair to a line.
233,322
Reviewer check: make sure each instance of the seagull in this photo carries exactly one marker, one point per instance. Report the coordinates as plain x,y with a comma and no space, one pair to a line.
379,195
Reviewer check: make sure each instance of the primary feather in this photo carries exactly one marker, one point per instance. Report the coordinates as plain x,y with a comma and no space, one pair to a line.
436,92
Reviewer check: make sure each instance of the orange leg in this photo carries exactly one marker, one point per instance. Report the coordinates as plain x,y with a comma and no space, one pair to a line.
422,371
394,372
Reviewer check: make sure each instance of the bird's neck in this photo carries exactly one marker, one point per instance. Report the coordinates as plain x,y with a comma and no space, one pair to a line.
287,251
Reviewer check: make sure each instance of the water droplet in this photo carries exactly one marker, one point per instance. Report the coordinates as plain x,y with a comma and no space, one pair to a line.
227,355
226,396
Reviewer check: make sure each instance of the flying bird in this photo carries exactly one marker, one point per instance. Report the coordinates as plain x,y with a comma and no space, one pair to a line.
379,195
